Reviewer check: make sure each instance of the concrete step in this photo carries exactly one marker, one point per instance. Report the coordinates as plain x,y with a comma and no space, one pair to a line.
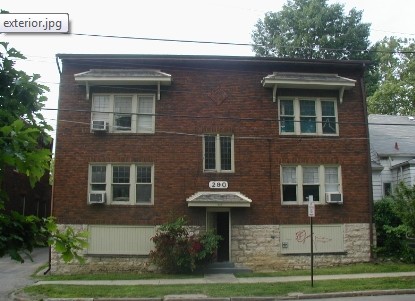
225,268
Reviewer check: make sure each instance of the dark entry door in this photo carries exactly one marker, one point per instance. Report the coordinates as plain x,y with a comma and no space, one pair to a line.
219,222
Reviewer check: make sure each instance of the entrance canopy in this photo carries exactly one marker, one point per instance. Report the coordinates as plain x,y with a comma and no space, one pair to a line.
113,77
218,199
307,81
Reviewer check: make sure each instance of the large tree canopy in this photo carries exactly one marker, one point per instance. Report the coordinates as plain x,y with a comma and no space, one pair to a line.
312,29
23,138
24,147
396,68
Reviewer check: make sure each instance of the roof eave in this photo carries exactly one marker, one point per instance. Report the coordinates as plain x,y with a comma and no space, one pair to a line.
93,81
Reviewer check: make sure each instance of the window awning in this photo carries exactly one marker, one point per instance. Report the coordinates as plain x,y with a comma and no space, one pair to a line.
218,199
307,81
113,77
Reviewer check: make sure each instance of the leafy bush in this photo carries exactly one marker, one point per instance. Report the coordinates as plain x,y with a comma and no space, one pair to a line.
404,197
177,251
20,234
394,218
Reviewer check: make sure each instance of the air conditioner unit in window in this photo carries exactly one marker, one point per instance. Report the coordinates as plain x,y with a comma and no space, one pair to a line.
96,197
99,126
334,198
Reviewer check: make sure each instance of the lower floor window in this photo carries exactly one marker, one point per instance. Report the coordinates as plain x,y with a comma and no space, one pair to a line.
387,189
300,182
123,183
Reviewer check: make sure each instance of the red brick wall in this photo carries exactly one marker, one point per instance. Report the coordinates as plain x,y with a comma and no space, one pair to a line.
25,199
246,110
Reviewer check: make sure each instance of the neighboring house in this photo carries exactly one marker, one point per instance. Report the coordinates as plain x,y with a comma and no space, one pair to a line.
22,197
25,199
237,144
392,141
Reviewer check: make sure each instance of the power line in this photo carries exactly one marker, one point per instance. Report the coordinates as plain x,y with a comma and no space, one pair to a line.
395,32
242,137
53,61
219,117
160,39
235,44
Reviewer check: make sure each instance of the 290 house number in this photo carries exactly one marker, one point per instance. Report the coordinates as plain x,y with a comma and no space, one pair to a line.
218,184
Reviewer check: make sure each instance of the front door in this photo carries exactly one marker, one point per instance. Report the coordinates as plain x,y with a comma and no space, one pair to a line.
219,222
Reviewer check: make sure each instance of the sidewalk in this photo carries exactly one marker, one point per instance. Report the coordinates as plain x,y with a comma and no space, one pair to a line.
230,278
225,278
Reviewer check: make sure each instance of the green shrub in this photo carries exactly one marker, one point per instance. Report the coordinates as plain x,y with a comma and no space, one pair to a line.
404,196
394,218
20,234
177,251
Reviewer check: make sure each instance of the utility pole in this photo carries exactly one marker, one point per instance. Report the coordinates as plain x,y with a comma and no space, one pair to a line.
311,214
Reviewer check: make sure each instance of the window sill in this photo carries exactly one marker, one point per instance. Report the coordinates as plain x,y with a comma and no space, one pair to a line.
313,135
129,204
218,172
122,133
301,204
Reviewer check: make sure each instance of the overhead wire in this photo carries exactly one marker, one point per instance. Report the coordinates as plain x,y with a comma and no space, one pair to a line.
247,119
230,43
185,67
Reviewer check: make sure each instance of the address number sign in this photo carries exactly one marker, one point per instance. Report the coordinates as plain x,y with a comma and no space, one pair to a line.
218,184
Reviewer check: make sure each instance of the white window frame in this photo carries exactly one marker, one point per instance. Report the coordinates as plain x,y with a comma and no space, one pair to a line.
300,183
132,183
135,114
218,162
319,117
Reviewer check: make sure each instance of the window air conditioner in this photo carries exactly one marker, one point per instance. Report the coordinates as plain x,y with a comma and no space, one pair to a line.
334,198
98,126
97,197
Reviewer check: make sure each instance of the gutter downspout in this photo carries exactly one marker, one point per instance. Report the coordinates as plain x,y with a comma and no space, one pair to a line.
57,64
369,167
51,214
53,189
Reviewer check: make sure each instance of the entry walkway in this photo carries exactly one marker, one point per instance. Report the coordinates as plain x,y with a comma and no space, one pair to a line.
226,278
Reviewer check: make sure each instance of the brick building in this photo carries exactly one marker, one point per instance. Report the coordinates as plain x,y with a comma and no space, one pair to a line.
236,144
23,198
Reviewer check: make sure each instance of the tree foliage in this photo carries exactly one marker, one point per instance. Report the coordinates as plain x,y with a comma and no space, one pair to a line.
395,63
24,142
25,147
312,29
394,218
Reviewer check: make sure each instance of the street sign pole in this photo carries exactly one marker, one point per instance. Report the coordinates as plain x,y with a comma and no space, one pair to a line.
312,253
311,214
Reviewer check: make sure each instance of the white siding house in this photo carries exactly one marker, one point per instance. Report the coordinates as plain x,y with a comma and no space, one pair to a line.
392,143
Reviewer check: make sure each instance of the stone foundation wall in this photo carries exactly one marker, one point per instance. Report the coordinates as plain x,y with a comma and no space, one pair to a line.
104,263
98,263
254,246
258,247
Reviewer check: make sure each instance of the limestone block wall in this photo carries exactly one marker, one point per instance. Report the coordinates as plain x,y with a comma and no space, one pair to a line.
254,246
105,263
96,263
258,247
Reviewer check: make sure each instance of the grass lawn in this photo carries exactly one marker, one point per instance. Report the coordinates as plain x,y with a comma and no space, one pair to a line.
384,267
218,290
228,290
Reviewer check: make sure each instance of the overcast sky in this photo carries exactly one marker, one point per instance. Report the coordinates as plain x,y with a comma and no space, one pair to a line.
214,20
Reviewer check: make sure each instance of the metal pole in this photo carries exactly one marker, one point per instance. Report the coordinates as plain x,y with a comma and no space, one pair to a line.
312,253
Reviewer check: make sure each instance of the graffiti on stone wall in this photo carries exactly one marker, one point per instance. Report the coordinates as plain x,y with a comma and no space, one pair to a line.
326,238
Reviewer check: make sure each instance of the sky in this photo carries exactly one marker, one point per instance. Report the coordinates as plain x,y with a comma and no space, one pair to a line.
214,20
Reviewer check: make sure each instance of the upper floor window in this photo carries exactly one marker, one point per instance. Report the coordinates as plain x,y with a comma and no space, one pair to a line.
131,113
123,183
300,181
308,116
218,153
